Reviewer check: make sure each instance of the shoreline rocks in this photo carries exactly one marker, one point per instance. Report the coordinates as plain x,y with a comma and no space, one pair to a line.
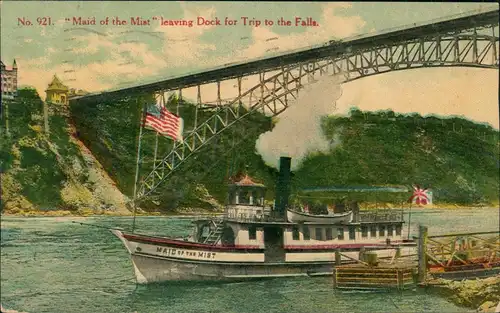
480,294
489,306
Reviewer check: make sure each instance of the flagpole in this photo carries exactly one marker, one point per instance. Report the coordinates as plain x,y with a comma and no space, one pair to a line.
162,105
143,109
156,149
409,217
175,139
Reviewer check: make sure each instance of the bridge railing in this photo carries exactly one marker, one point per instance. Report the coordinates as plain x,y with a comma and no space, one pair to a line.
427,22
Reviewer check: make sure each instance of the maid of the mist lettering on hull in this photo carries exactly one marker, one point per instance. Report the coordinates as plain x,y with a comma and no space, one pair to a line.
185,253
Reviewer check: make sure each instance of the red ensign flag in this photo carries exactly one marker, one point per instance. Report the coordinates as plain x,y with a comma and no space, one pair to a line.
419,195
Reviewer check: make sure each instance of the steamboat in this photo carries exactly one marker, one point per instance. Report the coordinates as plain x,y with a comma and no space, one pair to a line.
252,240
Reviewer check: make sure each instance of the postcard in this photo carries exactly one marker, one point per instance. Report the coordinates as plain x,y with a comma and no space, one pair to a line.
207,156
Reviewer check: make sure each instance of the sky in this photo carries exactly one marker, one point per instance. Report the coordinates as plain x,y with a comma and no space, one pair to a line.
101,57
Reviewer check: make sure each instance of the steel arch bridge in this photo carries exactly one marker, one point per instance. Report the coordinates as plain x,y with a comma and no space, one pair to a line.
467,40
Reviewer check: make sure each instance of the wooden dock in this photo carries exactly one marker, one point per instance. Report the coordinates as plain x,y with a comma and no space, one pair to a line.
458,256
450,256
383,276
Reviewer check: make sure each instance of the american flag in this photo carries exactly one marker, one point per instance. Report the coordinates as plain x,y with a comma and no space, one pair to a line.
164,122
419,195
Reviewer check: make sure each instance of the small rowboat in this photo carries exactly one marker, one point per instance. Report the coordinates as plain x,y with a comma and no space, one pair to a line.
335,218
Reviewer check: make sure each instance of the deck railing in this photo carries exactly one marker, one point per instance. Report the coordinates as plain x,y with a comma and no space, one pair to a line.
386,215
266,215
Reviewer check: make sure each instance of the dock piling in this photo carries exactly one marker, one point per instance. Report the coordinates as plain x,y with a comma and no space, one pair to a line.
422,254
400,279
362,254
338,257
334,278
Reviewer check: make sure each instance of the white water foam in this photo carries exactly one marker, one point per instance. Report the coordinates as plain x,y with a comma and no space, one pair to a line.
3,310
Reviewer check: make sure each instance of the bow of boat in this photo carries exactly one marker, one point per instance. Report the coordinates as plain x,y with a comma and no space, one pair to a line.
122,238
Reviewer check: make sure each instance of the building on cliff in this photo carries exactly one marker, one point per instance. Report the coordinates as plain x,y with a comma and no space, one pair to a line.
9,81
57,92
76,93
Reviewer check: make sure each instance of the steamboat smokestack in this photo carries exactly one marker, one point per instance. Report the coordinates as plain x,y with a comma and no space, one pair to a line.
282,188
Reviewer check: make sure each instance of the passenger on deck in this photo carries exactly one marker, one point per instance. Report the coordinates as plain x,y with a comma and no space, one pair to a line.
339,207
244,198
354,207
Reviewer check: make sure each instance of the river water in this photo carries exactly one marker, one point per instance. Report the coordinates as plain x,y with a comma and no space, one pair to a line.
51,265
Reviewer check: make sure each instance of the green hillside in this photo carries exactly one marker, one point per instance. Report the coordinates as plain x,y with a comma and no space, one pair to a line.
116,125
457,158
43,172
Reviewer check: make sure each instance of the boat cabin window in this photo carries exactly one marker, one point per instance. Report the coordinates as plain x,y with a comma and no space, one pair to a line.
252,232
352,233
364,231
398,230
340,235
306,233
381,230
295,233
328,233
319,233
373,231
389,230
228,237
256,198
244,197
232,197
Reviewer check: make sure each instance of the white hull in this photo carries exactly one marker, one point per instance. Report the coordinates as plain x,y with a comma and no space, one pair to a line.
157,263
149,270
300,217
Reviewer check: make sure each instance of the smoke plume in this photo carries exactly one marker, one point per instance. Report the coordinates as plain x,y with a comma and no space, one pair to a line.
298,131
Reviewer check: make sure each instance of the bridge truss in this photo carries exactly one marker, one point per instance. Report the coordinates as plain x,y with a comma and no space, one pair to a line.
273,87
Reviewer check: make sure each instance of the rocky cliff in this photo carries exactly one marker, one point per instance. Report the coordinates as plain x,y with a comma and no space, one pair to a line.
51,172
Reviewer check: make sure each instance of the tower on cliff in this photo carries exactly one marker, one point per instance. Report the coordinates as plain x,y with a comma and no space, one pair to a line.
9,91
57,92
9,81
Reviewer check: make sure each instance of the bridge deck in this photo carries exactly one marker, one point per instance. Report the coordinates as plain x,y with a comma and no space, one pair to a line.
487,17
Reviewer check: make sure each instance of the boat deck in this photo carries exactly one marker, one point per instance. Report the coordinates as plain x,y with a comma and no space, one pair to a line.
365,217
